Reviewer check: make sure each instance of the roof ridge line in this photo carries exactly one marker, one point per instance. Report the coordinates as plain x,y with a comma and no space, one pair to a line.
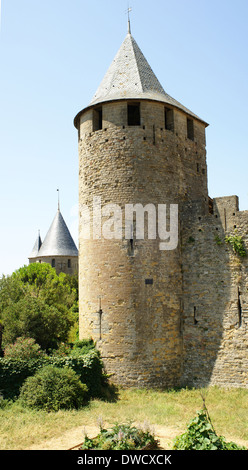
137,67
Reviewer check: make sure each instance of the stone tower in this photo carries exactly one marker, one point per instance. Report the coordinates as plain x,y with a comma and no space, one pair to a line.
137,145
58,248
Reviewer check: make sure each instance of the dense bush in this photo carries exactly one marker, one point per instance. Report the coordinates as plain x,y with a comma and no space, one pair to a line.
121,437
200,435
13,372
77,348
53,388
88,367
82,347
23,348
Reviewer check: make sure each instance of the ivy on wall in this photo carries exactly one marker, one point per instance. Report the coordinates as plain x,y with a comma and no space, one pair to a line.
237,244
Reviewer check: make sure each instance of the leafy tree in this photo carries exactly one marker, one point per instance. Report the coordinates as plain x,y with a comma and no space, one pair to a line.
33,318
11,290
38,303
43,281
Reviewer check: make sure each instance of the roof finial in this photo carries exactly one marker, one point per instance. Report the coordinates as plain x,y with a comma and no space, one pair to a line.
128,15
58,200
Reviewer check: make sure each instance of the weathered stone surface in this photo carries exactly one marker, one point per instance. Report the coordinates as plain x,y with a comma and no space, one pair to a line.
215,297
160,318
140,329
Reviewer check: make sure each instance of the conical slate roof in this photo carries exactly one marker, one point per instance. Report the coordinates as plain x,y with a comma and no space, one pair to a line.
36,247
131,77
58,241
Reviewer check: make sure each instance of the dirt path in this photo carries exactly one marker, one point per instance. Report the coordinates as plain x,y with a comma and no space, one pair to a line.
75,436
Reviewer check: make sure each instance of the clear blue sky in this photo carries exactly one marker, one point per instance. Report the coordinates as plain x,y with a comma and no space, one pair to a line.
54,54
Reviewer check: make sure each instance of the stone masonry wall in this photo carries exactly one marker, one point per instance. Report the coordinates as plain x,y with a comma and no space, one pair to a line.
131,292
215,296
161,318
61,263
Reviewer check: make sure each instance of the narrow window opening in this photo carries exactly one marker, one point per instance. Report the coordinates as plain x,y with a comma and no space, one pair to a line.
225,220
195,320
190,129
154,135
69,263
239,309
97,119
131,243
100,319
133,114
169,119
53,263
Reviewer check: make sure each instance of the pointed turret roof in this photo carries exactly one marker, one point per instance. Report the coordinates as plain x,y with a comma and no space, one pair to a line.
131,77
36,247
58,241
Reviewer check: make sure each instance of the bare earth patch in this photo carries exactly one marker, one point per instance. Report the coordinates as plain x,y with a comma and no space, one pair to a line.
75,436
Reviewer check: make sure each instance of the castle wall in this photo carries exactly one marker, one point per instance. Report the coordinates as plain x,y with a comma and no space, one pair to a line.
131,293
60,263
215,285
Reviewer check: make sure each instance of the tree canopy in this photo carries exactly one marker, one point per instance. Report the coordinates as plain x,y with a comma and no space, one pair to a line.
37,302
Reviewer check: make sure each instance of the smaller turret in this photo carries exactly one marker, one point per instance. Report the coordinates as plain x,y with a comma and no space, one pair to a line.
58,248
36,247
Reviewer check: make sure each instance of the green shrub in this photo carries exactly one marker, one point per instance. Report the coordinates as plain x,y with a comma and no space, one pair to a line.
82,347
13,372
120,437
63,350
23,348
201,436
53,388
237,244
88,367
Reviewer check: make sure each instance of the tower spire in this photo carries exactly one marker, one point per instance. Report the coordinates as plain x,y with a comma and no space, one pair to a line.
129,23
58,200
